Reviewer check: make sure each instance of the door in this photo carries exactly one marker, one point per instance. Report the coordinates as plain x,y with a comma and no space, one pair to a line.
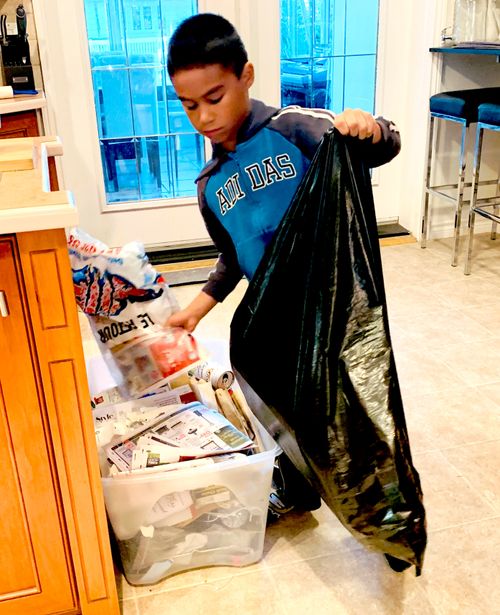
34,571
71,112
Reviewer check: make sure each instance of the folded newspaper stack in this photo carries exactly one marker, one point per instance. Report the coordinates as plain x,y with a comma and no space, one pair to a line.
172,434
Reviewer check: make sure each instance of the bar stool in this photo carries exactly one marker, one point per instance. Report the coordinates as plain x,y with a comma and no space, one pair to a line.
488,119
461,107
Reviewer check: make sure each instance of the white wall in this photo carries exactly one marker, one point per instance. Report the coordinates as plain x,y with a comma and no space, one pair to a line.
408,29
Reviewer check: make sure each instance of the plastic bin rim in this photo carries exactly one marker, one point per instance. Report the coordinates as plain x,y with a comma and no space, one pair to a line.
223,465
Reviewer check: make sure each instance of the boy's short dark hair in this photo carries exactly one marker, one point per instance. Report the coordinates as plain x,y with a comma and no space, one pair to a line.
206,39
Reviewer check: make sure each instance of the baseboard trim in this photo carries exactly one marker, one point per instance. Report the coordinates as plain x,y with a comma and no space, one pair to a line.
187,254
182,255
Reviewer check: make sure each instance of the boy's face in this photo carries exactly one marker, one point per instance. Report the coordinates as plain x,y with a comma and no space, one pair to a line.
215,100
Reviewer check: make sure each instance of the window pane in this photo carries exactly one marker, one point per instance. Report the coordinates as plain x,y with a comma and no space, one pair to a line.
360,83
146,85
329,74
322,77
149,148
361,26
337,84
324,32
113,104
119,159
148,18
106,34
339,10
143,33
296,82
172,12
187,159
296,28
153,168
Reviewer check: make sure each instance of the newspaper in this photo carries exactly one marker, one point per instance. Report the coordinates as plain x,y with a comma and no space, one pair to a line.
193,429
111,420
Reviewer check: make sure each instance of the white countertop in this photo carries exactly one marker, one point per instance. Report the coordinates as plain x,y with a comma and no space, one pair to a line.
21,102
26,202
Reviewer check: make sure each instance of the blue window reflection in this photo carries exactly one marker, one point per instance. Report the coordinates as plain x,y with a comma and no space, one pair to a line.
149,149
329,53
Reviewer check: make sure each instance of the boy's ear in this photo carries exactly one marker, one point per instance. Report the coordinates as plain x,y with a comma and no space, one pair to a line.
248,74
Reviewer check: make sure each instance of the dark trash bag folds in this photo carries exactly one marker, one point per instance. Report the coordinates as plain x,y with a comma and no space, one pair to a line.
310,344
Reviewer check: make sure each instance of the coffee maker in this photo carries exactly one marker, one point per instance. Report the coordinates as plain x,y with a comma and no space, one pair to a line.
16,64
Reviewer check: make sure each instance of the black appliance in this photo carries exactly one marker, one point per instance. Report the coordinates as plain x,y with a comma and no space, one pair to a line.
16,64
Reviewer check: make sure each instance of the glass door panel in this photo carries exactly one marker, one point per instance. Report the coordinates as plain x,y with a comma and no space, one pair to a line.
141,123
329,53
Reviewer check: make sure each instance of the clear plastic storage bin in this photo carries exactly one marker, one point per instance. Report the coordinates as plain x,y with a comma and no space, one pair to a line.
177,520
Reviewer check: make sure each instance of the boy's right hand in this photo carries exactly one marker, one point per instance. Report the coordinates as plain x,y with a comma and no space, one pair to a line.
189,317
184,318
358,123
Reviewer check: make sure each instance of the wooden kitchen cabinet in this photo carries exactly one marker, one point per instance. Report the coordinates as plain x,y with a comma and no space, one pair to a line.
55,555
20,124
26,124
36,571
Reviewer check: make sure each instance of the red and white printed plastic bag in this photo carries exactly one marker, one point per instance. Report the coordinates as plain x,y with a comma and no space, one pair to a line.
128,303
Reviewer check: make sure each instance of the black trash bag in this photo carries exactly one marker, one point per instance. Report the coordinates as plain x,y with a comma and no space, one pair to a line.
311,347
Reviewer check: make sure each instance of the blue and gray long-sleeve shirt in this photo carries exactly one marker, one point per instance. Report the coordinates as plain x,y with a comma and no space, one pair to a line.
243,195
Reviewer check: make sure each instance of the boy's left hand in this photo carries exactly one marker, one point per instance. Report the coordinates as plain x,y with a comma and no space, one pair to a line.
358,123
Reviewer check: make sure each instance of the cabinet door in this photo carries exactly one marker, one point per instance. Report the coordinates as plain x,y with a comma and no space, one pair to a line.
35,577
22,124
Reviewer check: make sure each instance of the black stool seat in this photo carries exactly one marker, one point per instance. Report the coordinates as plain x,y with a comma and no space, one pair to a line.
463,104
489,113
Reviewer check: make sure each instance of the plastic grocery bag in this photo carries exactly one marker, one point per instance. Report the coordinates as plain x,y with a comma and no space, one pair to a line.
127,303
311,347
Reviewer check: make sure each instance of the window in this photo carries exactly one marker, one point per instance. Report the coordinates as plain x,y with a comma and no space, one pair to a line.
136,18
148,18
149,150
329,53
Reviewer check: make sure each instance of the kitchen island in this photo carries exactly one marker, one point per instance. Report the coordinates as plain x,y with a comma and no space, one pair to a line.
56,556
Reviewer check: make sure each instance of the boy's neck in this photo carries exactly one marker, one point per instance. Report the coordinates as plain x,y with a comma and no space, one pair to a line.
230,145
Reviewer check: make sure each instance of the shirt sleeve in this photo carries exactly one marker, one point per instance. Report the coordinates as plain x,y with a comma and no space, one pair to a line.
389,146
227,273
305,129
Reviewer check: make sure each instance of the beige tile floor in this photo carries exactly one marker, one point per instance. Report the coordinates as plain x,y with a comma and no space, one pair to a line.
446,337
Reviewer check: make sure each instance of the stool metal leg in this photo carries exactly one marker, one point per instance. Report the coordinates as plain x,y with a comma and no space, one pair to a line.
495,211
473,198
460,198
425,215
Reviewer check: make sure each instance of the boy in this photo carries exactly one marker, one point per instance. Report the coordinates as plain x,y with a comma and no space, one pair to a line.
260,155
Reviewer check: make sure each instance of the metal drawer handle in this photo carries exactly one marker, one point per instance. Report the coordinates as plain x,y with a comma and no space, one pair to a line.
4,308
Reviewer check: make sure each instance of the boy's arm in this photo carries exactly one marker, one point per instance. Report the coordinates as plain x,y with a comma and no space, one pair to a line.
382,141
221,281
190,316
227,273
305,129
